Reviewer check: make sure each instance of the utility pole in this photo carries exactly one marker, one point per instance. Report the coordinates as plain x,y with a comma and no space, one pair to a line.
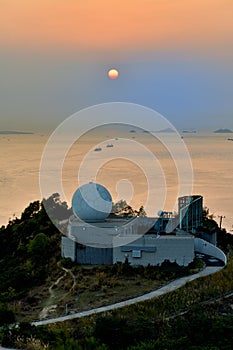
220,222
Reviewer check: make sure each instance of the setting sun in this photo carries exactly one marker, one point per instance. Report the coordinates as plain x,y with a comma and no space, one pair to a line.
113,74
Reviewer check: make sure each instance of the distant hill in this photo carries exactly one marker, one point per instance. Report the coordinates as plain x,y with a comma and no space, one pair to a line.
6,132
223,131
166,130
15,132
189,131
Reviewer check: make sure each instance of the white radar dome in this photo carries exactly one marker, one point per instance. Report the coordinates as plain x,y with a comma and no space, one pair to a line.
92,202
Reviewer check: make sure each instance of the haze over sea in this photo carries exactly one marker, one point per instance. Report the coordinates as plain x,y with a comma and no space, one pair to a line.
211,154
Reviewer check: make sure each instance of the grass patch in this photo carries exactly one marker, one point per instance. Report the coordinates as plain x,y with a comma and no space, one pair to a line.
87,287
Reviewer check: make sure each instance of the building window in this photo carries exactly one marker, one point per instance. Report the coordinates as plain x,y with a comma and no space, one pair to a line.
136,254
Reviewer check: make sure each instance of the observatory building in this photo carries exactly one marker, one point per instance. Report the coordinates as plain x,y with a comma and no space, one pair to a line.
96,236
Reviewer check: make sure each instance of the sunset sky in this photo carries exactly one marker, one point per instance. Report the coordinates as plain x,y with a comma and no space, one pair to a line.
174,56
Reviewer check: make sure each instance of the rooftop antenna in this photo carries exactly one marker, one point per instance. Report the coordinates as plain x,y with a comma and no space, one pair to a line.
220,222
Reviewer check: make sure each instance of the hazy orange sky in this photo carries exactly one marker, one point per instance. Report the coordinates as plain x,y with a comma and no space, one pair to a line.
115,24
174,56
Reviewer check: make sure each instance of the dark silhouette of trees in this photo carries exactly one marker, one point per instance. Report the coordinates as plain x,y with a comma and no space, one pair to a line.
28,246
56,209
121,208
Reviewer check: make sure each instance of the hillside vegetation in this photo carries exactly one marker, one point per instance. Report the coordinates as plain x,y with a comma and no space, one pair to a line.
32,272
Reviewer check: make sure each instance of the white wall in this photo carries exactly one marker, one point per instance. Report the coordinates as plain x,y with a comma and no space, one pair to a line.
205,247
154,251
110,232
68,248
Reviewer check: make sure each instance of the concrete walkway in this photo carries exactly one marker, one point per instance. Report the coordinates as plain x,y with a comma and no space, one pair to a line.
163,290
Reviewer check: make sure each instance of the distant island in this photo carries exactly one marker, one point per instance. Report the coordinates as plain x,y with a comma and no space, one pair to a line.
166,130
223,131
189,132
15,132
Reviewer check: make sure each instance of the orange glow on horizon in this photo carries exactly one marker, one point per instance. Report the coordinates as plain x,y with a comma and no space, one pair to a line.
93,24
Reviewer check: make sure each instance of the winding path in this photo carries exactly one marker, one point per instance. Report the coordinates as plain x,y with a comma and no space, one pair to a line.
158,292
45,311
163,290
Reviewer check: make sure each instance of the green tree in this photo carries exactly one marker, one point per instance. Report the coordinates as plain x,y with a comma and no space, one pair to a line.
56,209
123,208
141,212
7,316
30,211
39,246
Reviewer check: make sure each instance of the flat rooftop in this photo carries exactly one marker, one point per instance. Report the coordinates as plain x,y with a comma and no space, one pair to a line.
107,223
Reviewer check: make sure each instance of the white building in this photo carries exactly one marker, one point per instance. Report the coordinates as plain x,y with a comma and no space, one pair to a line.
94,237
114,240
153,250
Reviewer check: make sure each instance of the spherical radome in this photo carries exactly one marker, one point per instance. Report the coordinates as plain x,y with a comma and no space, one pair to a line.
92,202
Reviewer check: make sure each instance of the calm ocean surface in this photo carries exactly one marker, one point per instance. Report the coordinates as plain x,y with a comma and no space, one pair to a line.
211,155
